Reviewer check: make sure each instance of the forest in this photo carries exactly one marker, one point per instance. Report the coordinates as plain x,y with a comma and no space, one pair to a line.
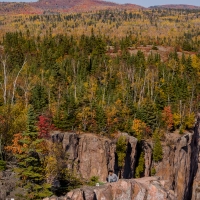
99,72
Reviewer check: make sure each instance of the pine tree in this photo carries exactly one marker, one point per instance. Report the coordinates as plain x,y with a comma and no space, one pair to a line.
157,149
188,66
140,167
148,114
39,98
30,166
65,119
183,59
100,118
121,148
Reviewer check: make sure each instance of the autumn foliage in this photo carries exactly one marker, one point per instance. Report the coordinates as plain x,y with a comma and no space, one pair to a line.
44,126
139,128
167,117
16,147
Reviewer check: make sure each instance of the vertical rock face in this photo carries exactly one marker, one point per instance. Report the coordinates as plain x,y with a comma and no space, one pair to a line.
165,169
147,149
176,166
178,172
194,192
94,156
180,166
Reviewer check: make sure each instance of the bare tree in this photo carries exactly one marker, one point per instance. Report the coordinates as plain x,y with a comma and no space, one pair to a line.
15,82
4,85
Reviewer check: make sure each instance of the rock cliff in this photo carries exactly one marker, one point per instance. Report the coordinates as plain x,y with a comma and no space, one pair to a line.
179,170
95,155
177,176
180,166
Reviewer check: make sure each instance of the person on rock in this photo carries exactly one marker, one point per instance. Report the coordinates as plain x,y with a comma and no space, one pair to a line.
112,177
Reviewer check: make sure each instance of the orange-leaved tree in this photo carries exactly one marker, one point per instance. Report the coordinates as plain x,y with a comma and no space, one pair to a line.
16,147
167,117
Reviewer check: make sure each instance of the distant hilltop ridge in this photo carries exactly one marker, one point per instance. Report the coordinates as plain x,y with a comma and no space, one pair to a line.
63,6
41,6
176,6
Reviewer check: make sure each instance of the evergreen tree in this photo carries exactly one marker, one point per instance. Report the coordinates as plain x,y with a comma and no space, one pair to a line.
30,166
157,149
39,98
100,119
65,119
148,114
121,148
140,167
183,59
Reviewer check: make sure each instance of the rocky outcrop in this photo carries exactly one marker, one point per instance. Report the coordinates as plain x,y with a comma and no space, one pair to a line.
182,166
147,149
139,189
7,183
165,169
93,155
179,169
179,165
194,179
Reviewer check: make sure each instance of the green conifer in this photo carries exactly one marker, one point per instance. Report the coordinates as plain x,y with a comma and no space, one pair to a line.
157,149
140,167
30,167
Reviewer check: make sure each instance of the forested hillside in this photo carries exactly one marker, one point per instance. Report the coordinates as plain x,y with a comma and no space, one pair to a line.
100,72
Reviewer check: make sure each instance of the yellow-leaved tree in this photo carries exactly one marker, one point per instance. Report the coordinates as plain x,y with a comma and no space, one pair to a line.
139,128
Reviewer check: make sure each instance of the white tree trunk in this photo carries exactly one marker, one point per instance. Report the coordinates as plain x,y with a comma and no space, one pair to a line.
15,82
